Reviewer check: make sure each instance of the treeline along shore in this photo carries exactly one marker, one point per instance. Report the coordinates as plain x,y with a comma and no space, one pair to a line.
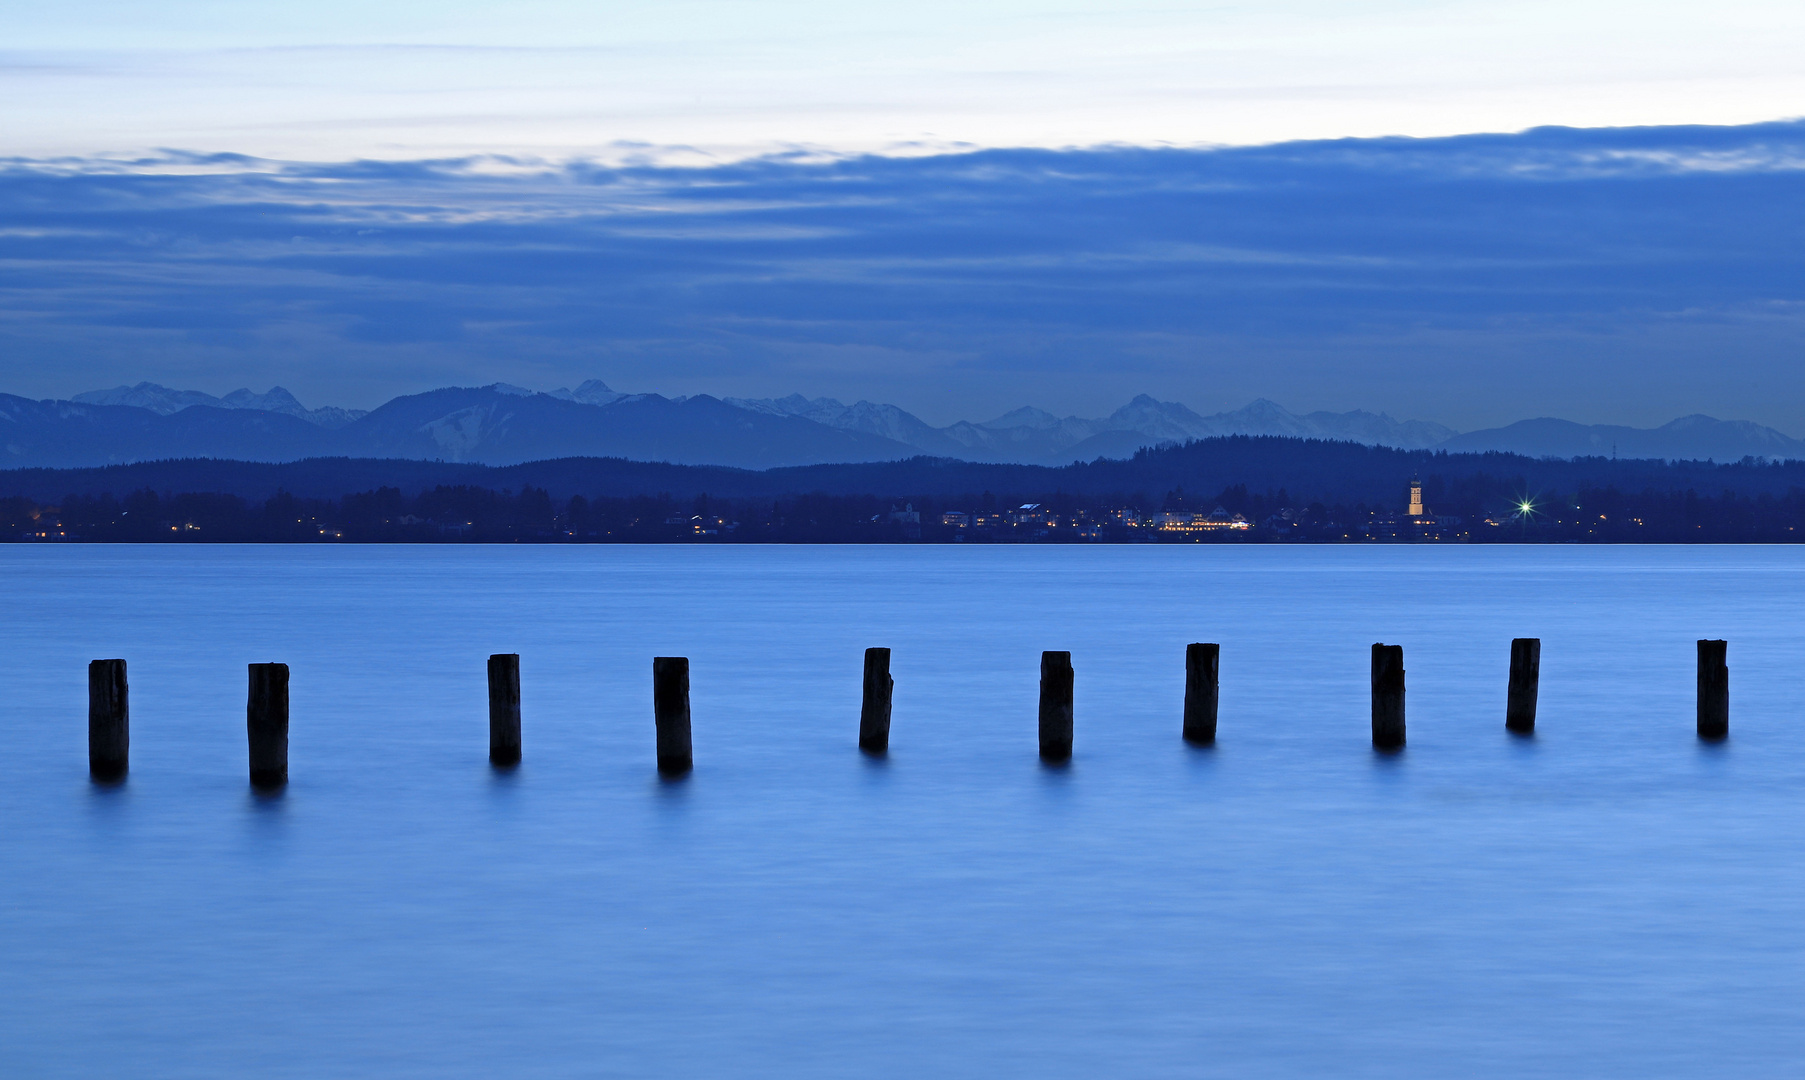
1229,490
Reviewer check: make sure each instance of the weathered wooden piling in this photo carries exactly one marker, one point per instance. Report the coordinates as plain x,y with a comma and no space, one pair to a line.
1388,696
1525,677
1201,665
874,714
1055,705
670,710
109,720
504,709
1713,690
266,722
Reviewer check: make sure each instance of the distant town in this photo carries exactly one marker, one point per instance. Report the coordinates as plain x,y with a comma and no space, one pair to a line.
465,514
1037,522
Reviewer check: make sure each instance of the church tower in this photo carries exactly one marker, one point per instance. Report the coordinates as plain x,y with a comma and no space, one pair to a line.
1416,498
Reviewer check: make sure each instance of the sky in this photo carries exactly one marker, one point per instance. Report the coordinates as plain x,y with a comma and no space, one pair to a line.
333,80
1462,212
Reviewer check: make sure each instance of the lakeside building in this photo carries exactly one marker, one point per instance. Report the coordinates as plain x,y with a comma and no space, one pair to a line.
1418,522
702,524
1037,521
909,519
1216,519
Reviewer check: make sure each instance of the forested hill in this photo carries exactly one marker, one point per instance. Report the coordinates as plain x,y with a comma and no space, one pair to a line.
1305,470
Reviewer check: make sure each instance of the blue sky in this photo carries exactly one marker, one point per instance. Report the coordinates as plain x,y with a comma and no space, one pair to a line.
956,207
1622,276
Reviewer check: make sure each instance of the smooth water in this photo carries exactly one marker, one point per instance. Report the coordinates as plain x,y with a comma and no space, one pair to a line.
1609,898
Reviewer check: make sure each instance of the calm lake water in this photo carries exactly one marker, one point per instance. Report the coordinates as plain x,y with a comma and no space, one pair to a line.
1609,898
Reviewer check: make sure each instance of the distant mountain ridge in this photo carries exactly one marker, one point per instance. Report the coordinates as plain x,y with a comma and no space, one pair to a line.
498,427
165,402
492,425
65,434
1695,437
501,424
1032,435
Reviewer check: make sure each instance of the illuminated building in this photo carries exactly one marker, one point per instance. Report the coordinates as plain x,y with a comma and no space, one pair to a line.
1422,519
1198,523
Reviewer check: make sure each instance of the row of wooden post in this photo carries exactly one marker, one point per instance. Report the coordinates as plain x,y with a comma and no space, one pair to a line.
266,708
1525,679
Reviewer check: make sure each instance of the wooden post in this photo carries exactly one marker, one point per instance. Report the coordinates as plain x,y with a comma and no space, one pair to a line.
874,714
1525,676
1055,705
670,710
266,721
1713,690
109,721
1388,696
1201,664
504,709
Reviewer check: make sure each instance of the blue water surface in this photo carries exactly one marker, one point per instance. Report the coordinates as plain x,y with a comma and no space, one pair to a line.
1609,898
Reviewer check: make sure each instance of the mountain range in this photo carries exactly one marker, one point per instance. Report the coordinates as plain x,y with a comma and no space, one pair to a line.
164,401
1693,438
1029,435
501,424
